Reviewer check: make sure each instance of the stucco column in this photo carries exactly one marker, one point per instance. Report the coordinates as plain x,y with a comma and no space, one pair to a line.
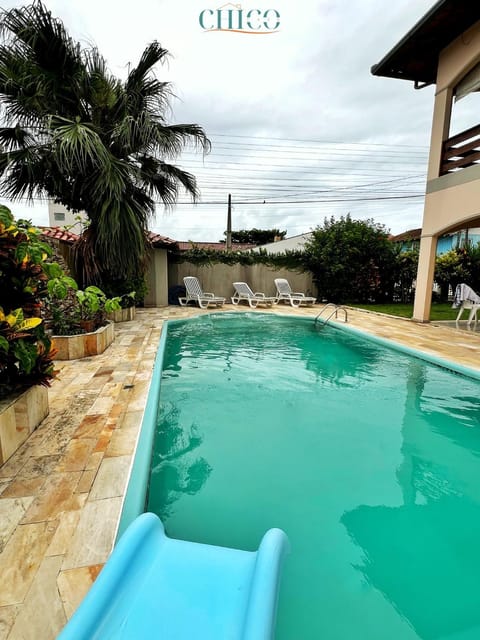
442,112
428,242
425,273
157,279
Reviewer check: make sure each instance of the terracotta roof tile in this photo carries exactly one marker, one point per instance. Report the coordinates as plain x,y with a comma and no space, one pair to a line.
58,233
160,241
412,234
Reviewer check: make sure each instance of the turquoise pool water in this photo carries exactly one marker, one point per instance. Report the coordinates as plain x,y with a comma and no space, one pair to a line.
368,458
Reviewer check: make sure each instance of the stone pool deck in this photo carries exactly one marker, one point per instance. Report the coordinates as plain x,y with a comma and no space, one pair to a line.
61,492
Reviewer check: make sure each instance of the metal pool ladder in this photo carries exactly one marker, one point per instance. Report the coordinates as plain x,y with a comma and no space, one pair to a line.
322,321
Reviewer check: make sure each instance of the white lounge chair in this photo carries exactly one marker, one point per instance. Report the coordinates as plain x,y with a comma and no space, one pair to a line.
243,292
466,298
285,293
194,293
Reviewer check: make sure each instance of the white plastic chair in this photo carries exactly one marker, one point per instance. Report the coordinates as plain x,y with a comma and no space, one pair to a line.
194,293
295,298
466,298
245,294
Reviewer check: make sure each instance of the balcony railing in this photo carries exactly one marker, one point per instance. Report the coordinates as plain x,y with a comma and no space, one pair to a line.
461,151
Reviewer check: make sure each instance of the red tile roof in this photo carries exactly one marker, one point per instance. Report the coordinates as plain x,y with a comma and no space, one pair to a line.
59,234
160,241
412,234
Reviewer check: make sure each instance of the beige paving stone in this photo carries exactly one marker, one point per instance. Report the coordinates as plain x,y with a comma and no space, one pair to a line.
104,439
7,618
111,478
57,495
118,409
91,426
67,524
101,405
94,460
11,512
42,614
93,539
14,464
77,454
4,484
21,559
40,466
23,487
139,393
131,419
86,481
122,442
74,584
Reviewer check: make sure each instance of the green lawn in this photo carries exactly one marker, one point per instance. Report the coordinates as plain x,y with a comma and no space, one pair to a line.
440,311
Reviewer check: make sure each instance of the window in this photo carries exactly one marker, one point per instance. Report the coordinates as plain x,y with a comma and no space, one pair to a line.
59,216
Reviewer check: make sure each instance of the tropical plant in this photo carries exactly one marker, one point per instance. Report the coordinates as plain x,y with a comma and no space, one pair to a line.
407,266
352,260
26,353
71,310
461,264
75,133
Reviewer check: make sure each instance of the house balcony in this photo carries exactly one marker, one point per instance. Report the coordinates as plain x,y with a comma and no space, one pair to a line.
461,151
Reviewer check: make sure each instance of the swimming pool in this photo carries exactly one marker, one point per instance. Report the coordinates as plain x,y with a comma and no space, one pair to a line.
368,458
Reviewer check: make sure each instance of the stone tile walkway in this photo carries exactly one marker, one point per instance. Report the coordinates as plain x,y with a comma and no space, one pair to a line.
61,492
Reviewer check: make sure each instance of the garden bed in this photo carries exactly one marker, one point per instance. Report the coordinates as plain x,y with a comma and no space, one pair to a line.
20,415
85,344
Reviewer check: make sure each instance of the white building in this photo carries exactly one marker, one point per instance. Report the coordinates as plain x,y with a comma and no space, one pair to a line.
60,216
295,243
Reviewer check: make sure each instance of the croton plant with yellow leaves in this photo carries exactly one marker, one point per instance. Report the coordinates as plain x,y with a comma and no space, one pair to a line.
26,353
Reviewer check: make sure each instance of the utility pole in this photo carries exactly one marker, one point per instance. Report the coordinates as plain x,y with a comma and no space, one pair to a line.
229,223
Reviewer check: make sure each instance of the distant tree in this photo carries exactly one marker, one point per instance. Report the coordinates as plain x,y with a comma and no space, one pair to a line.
458,265
352,260
73,132
256,236
407,265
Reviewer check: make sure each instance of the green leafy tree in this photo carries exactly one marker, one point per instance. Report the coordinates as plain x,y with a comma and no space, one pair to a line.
352,260
461,264
407,266
77,134
256,236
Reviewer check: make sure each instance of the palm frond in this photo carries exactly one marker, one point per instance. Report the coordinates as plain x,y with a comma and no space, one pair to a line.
173,138
164,182
12,138
77,145
152,55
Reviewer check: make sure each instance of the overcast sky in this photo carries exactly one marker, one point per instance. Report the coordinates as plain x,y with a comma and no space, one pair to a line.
300,129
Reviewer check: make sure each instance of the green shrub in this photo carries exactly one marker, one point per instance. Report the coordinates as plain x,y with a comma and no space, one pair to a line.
26,353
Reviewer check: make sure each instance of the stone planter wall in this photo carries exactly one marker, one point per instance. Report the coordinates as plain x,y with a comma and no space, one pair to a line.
20,415
85,344
122,315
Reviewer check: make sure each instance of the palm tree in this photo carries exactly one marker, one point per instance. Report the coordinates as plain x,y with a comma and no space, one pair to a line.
75,133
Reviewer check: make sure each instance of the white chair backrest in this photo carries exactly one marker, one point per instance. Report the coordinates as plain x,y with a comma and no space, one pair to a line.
466,295
283,286
242,289
192,285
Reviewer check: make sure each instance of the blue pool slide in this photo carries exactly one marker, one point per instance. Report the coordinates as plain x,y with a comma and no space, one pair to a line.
155,587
